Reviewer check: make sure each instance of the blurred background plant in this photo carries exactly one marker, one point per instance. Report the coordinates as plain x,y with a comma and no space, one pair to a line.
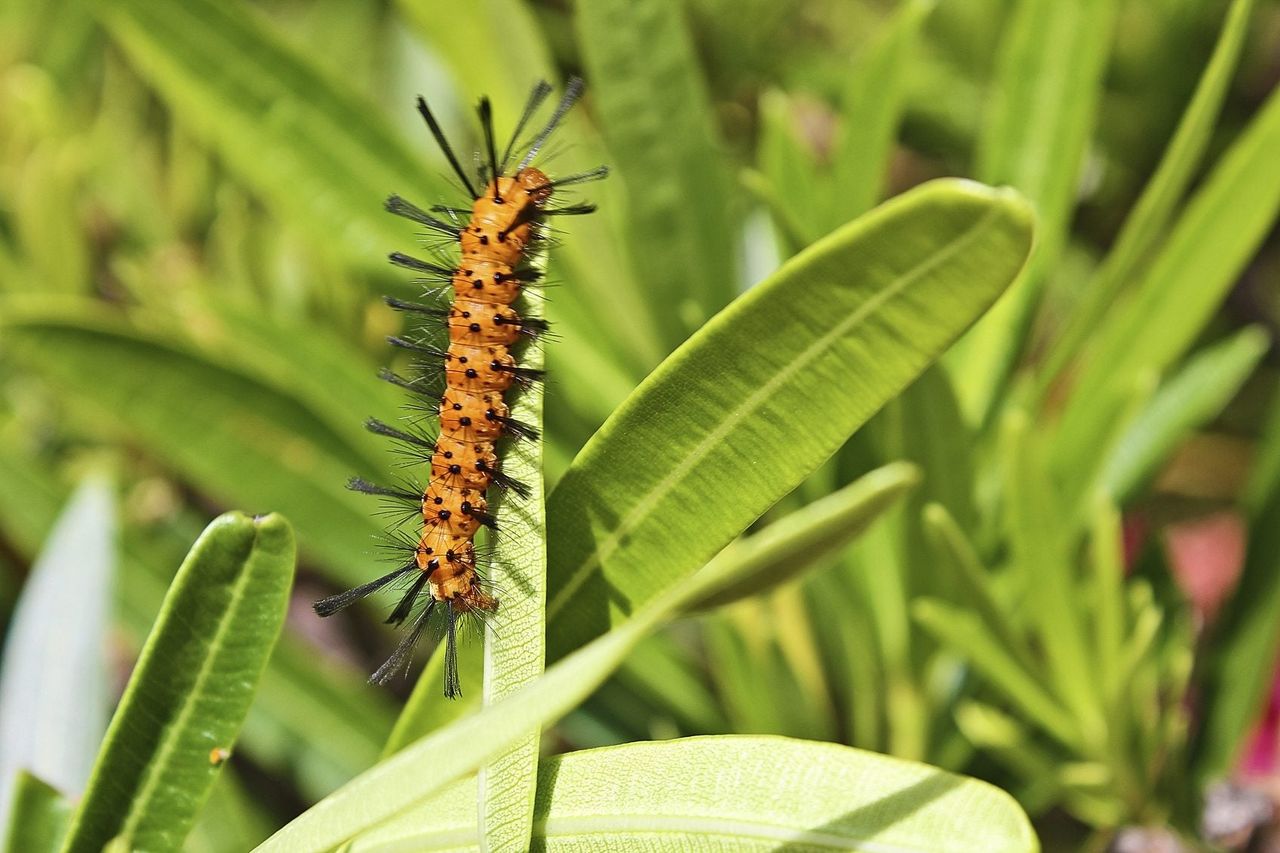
1079,601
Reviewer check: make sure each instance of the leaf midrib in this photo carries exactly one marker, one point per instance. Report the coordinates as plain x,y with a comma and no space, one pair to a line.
678,471
173,730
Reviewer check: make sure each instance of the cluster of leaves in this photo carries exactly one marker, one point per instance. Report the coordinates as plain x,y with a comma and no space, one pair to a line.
190,246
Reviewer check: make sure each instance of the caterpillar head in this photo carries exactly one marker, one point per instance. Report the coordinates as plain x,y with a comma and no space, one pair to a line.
536,185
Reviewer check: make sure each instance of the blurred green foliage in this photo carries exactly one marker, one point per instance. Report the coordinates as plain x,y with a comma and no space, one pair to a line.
191,254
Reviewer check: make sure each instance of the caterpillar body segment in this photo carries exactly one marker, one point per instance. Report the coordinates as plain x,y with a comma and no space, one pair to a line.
479,365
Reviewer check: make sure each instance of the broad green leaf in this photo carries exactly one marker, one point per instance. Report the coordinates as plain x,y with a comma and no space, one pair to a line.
54,682
38,816
1210,243
236,435
767,391
430,764
1239,669
191,688
1191,398
808,537
317,152
1040,116
737,793
515,639
656,115
1145,225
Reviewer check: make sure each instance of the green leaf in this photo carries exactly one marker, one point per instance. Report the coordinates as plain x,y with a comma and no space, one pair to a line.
738,793
191,688
1040,547
974,582
515,639
53,695
965,632
232,819
767,391
316,151
245,436
1239,668
427,708
1190,399
428,765
1043,102
656,116
789,177
1146,224
1209,245
870,111
808,200
38,816
1264,479
808,537
304,698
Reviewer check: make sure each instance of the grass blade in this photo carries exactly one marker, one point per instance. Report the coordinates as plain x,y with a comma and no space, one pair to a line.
870,112
249,437
656,116
1144,226
1039,122
191,688
316,151
1211,242
1239,666
1191,398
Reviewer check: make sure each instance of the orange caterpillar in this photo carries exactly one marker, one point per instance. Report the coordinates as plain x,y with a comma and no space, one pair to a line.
503,223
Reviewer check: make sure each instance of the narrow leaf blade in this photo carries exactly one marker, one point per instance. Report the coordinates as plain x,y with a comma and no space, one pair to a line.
191,688
53,694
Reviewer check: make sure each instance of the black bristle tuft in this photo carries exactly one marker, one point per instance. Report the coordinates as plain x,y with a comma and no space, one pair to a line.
334,603
377,427
571,94
400,207
445,147
536,97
